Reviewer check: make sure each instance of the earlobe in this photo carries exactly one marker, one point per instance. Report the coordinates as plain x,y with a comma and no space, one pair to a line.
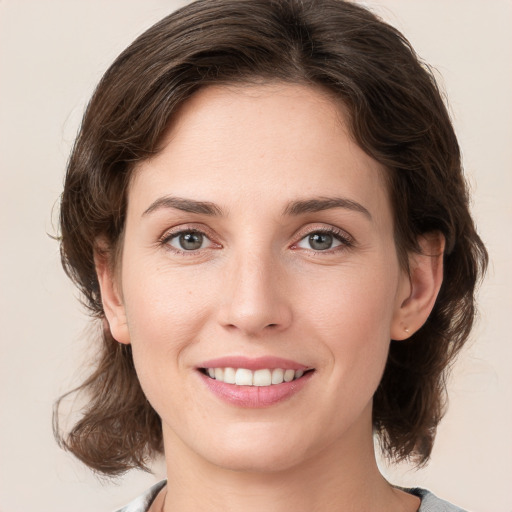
111,296
416,300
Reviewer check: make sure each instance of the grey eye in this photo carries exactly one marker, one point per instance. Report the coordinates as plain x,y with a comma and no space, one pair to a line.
189,241
319,241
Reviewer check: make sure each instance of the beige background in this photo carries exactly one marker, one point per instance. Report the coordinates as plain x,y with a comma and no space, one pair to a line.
51,55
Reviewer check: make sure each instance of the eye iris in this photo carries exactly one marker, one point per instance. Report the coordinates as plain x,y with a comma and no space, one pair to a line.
191,241
320,241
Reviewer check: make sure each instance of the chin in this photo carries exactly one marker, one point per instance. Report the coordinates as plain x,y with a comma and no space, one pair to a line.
259,453
255,461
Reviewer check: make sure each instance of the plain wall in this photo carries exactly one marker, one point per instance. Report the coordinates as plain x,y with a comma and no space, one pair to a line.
52,53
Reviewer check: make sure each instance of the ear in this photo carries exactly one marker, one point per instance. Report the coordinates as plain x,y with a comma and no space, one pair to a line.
111,295
418,292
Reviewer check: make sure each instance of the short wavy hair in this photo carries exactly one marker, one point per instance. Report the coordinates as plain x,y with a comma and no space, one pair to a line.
396,114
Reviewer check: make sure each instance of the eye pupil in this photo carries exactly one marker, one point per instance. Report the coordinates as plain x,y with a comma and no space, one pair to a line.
320,241
191,241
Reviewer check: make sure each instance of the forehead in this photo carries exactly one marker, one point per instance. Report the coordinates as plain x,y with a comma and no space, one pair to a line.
245,141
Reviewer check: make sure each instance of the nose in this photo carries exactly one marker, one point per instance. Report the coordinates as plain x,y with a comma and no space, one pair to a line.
255,299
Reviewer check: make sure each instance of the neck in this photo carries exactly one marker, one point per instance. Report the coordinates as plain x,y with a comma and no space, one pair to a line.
337,478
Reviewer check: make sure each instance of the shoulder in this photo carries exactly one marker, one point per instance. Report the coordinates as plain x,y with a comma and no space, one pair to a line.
431,503
143,502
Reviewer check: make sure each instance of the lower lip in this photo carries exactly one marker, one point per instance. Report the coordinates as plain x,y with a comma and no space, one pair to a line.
255,396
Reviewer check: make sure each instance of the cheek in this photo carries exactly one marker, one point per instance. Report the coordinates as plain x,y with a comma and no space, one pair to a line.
355,298
158,297
164,320
164,315
352,314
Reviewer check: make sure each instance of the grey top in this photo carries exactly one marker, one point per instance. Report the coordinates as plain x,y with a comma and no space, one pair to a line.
429,502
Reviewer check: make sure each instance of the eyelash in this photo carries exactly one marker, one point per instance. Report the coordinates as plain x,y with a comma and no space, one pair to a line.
168,236
346,241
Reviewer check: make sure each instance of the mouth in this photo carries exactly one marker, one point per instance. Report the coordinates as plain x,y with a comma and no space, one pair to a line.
254,382
264,377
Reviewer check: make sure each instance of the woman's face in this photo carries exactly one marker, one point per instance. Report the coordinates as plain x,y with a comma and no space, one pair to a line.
260,238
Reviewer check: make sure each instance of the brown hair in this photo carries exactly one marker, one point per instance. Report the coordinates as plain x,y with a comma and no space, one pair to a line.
396,114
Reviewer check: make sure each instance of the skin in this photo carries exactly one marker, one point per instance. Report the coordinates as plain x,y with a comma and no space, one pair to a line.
257,287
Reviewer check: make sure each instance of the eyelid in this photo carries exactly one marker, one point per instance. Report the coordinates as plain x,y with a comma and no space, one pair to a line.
347,240
175,231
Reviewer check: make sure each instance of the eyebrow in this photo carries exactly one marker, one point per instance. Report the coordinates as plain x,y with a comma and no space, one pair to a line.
185,205
324,203
294,208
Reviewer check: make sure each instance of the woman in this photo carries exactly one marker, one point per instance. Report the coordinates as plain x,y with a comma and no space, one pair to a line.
265,206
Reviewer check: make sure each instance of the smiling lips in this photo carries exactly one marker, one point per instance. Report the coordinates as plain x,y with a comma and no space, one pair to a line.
246,377
254,382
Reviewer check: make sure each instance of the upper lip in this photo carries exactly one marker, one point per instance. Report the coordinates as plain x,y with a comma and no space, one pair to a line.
258,363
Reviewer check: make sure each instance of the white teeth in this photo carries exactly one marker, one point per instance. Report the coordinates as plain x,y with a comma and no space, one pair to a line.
245,377
289,375
277,376
229,375
262,378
